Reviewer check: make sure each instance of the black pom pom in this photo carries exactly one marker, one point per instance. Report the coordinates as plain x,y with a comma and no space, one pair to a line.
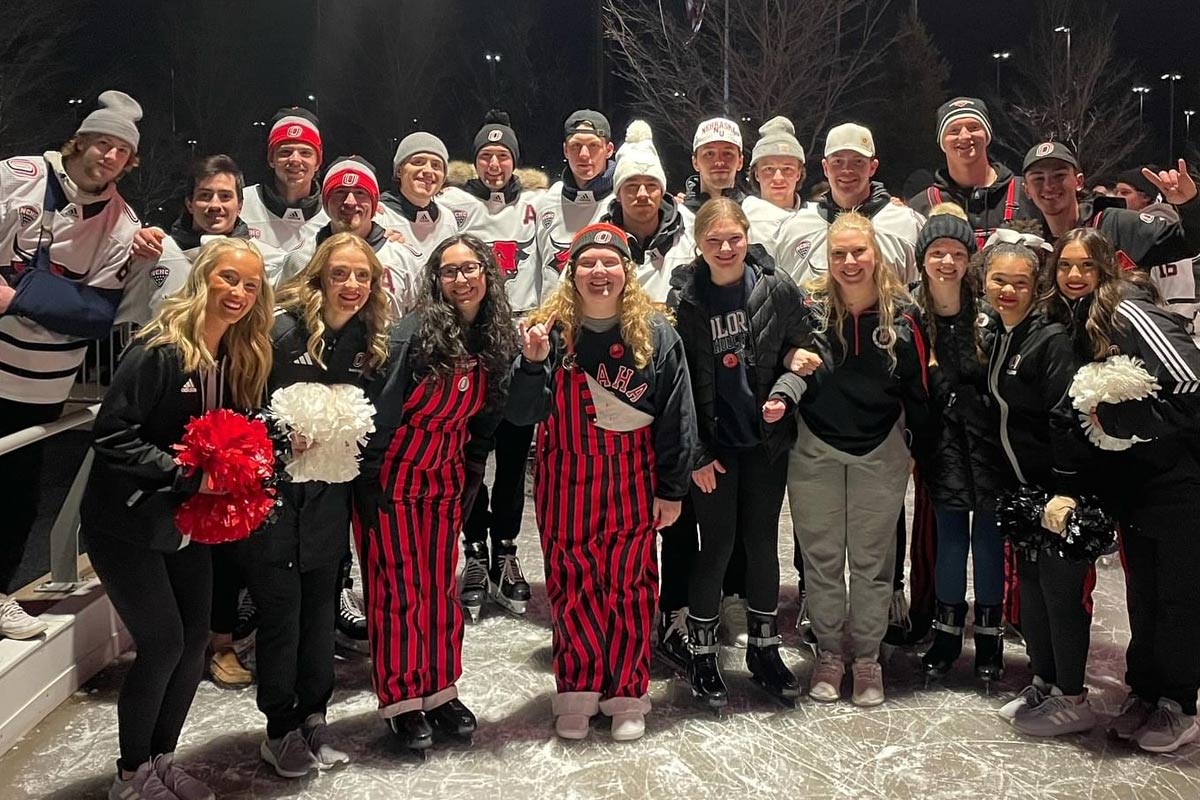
1019,516
497,117
1090,531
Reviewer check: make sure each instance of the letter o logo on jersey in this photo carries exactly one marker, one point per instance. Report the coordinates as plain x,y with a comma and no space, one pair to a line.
730,360
1044,149
616,351
294,131
1147,218
982,321
350,179
464,383
495,135
602,237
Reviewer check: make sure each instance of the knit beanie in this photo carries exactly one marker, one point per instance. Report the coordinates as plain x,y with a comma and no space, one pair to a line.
419,142
638,156
717,129
944,226
294,124
1137,180
117,116
600,234
351,171
496,130
777,137
961,108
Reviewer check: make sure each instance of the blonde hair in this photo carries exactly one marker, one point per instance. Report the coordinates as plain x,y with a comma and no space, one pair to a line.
180,324
637,310
953,209
303,295
824,290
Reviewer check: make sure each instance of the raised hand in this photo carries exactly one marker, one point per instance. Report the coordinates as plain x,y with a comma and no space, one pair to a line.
1176,185
535,341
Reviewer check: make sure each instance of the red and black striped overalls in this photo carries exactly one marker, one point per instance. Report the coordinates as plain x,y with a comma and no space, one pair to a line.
409,555
595,508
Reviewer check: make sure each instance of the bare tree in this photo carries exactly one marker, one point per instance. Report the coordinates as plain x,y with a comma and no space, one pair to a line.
1075,89
33,35
802,60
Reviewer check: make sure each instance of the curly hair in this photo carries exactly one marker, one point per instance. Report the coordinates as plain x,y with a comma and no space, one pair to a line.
304,296
827,298
442,339
180,324
637,312
1102,321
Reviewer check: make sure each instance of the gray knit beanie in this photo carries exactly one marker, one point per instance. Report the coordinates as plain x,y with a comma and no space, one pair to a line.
419,142
777,137
117,116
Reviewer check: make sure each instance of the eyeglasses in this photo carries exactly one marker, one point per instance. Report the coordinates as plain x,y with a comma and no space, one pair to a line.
468,269
589,266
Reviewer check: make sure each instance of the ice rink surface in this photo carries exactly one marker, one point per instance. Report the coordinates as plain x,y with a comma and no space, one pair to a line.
924,743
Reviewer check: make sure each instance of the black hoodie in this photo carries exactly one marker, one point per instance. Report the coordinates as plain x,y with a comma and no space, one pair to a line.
987,207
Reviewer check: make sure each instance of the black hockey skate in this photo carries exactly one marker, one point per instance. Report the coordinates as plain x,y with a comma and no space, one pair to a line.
703,671
351,621
764,662
947,641
989,643
412,731
506,583
672,648
475,578
452,719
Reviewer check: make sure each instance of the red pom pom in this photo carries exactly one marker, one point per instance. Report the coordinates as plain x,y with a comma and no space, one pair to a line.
239,458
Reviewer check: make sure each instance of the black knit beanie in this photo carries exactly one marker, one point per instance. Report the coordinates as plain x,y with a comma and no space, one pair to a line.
944,226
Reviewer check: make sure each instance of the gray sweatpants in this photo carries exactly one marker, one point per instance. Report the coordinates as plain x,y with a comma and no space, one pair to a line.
844,507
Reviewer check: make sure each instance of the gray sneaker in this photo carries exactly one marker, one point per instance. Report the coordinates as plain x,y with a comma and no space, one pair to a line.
1057,715
1167,729
181,784
1030,697
316,733
1132,716
290,755
144,785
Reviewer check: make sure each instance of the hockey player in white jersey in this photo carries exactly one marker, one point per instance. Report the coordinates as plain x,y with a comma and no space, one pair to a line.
412,215
776,171
212,208
659,227
350,194
65,234
849,164
580,197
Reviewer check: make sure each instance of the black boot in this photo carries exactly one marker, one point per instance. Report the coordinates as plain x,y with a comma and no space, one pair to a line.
703,672
989,642
452,718
672,645
762,658
475,578
947,639
506,581
412,730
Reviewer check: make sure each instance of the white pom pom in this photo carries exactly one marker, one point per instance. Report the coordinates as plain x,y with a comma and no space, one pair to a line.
777,125
639,131
334,419
1117,380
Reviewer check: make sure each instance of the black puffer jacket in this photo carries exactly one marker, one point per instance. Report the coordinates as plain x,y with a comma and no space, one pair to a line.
777,323
966,466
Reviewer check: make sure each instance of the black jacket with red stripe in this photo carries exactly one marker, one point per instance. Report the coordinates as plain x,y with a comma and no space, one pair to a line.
856,396
1147,240
987,207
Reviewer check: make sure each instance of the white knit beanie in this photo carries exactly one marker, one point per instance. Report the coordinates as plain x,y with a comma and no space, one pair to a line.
117,116
638,156
777,137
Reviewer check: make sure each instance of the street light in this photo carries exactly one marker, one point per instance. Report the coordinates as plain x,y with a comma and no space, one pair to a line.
312,98
746,119
259,124
1172,77
1141,92
493,59
1067,30
192,144
998,57
1188,113
75,103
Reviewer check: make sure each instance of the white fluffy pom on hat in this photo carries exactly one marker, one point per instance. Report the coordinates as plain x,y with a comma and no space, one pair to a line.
638,156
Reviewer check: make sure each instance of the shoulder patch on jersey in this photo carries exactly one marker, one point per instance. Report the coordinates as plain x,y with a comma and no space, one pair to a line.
1146,218
255,233
23,166
802,248
159,274
547,219
28,214
460,217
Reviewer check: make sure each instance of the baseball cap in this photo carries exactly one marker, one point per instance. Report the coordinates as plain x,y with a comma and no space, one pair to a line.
850,136
1058,151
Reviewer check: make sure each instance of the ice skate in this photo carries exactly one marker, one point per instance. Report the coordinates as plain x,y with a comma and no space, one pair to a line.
764,662
351,622
475,579
947,641
452,719
412,731
704,674
989,644
506,583
672,648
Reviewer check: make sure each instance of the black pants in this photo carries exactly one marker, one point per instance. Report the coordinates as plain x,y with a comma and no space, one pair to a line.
678,558
294,645
228,580
1162,590
748,498
163,599
20,475
1056,618
508,489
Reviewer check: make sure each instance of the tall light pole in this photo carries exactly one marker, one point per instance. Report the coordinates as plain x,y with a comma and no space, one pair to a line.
998,57
493,59
1141,92
1067,30
312,98
1188,113
75,103
1171,77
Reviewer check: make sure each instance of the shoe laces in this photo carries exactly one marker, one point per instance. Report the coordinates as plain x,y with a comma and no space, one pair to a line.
295,745
678,623
11,611
510,569
1162,718
898,611
247,611
474,572
350,609
867,670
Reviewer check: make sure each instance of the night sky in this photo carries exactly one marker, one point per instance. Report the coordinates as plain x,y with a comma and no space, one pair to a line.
268,55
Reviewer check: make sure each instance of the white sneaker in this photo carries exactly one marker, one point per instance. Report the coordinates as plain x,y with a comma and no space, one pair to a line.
15,623
734,630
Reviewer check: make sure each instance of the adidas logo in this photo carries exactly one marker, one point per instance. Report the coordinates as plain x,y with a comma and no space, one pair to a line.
188,387
304,359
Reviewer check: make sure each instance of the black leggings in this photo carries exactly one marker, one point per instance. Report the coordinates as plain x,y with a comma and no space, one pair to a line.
508,489
163,599
1056,618
229,578
748,499
20,475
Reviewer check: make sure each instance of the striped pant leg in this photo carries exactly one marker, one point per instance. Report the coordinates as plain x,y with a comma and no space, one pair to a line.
568,516
394,624
443,627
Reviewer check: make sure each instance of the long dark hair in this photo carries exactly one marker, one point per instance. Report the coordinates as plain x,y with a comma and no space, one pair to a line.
442,340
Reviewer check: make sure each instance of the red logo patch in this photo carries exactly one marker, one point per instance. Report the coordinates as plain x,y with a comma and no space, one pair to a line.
617,351
730,360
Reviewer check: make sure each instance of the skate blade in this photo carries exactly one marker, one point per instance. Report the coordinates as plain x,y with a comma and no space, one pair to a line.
473,612
517,607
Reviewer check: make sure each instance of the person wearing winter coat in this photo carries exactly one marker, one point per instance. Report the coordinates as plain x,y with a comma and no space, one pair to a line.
331,327
965,466
739,320
1151,472
208,348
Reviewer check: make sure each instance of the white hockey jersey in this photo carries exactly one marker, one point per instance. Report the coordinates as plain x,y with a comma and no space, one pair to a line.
802,251
510,227
281,228
765,218
89,245
560,217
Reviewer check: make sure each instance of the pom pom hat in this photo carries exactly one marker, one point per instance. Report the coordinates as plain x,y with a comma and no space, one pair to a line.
497,130
638,156
601,234
117,116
